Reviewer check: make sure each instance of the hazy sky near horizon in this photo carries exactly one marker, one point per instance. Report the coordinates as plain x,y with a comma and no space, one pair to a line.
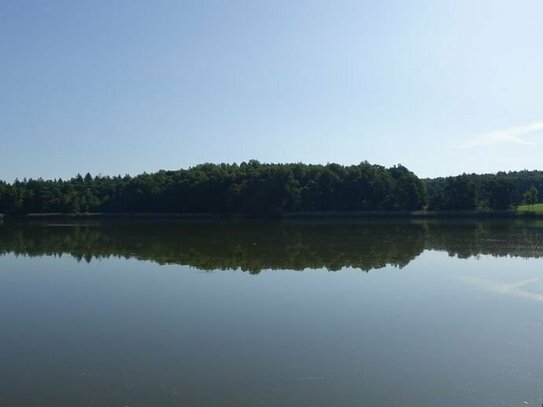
128,86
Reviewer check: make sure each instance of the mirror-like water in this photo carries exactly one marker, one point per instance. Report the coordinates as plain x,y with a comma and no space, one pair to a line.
218,313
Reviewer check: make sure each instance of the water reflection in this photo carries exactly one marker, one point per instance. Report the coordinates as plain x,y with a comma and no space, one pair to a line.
254,245
515,289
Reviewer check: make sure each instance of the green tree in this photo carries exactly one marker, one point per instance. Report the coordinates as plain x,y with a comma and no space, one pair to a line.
459,193
531,197
500,194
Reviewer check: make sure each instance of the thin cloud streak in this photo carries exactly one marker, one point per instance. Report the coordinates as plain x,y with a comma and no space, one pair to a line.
512,289
510,135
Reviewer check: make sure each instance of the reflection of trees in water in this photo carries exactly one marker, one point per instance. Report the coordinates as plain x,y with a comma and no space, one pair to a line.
464,239
256,245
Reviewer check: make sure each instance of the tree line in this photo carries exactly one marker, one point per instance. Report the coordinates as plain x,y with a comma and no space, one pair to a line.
257,188
250,187
501,191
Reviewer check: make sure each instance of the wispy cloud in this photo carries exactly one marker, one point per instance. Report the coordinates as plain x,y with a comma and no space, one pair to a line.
510,135
513,289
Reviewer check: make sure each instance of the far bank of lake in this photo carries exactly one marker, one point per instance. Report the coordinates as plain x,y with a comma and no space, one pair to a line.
478,214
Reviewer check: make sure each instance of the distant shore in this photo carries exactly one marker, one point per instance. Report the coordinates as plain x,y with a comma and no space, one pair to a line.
482,214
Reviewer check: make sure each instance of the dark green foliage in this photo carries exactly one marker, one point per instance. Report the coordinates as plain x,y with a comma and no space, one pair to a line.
267,189
456,193
531,197
501,191
250,187
409,191
500,194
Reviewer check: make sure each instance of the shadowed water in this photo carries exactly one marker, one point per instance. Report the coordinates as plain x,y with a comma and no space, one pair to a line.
217,313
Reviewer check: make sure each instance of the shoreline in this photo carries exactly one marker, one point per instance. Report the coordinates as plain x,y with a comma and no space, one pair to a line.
287,215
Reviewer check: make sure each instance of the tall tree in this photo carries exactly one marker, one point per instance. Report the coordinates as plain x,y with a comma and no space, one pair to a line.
500,194
531,197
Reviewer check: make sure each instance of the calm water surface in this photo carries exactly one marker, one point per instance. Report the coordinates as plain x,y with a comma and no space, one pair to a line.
255,313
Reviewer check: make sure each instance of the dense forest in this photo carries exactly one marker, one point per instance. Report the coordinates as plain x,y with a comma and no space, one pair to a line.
249,187
256,188
501,191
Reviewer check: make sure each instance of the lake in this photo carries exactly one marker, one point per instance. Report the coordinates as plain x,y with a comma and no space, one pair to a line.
270,313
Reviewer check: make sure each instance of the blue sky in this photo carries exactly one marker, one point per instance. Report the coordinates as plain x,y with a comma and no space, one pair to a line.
127,86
